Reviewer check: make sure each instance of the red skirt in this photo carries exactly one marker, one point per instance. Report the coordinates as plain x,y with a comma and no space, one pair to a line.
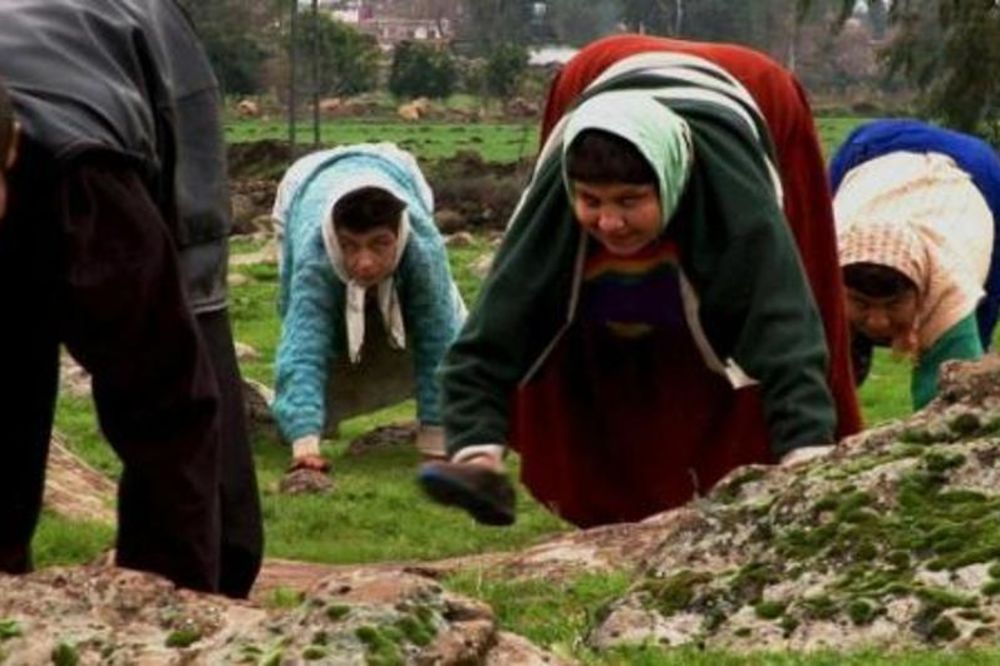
616,429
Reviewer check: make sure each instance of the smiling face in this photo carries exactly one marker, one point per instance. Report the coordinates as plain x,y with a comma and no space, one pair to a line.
885,321
623,217
882,304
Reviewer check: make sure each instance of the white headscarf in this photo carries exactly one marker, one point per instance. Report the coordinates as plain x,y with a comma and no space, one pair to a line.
354,293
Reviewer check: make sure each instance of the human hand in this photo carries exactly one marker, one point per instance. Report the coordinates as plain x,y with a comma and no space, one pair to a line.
489,456
306,455
805,454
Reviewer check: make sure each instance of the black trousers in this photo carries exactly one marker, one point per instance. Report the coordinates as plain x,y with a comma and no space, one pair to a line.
89,263
242,531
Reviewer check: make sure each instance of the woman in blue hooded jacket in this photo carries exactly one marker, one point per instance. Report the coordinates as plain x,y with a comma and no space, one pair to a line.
360,252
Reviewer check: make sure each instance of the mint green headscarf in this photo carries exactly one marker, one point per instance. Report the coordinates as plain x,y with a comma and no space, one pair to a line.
659,134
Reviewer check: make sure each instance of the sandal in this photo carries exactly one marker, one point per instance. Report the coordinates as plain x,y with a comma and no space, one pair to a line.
488,496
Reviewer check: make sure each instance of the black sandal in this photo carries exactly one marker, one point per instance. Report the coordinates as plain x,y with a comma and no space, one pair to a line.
487,495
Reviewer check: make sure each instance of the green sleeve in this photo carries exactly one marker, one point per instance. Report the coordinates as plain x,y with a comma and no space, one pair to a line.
961,341
755,304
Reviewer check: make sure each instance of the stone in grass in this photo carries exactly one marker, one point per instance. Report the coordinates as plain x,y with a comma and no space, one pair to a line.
305,481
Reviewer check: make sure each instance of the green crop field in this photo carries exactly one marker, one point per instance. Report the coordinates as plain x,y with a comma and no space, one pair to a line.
495,142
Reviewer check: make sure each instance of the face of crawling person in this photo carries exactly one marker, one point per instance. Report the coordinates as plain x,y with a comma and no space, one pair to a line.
623,217
369,256
887,320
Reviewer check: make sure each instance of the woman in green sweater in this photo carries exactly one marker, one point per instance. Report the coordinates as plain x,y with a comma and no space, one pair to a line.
647,326
916,243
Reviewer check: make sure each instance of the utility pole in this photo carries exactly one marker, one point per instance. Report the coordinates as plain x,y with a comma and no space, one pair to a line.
291,77
315,71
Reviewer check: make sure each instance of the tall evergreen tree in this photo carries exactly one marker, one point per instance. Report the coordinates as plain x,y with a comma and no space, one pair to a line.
950,51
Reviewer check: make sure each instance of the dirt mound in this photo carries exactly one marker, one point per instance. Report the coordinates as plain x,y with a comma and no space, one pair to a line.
471,193
468,191
264,159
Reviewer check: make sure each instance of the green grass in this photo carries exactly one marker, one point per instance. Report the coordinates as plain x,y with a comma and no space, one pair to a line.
60,541
429,140
550,614
833,130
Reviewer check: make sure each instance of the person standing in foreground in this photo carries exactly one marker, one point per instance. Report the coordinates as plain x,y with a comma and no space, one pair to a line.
917,208
113,241
648,326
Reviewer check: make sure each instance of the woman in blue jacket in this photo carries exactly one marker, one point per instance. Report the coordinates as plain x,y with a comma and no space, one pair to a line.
360,251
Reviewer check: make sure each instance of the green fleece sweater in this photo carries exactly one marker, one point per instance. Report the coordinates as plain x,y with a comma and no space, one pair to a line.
961,341
753,301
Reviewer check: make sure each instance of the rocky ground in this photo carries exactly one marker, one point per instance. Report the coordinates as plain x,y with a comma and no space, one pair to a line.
892,542
95,615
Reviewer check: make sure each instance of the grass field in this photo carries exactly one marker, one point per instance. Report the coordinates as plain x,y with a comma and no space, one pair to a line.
495,142
376,513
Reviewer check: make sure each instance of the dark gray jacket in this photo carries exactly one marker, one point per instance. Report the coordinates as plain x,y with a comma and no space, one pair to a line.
129,76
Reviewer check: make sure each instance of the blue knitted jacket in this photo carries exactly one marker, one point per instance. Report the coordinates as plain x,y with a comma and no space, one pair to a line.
311,298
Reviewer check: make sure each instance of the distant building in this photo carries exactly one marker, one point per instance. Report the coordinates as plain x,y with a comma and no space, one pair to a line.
375,19
391,30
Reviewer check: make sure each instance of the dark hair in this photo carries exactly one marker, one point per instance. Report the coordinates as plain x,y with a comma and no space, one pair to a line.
596,156
6,124
876,280
366,209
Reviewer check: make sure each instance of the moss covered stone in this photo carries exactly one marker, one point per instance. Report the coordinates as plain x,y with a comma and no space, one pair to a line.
416,630
182,638
65,654
674,593
770,610
943,630
380,650
862,611
9,629
338,612
314,653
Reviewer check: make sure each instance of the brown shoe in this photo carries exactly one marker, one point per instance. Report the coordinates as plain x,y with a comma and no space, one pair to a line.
488,496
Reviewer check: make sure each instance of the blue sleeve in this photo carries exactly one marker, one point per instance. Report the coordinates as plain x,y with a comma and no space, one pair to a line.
310,334
432,322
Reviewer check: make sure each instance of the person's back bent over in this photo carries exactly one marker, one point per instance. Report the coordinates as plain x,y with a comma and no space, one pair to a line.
647,326
113,242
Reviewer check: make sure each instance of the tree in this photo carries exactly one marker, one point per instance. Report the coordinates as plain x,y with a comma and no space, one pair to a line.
347,59
504,67
421,70
576,23
949,50
489,23
226,29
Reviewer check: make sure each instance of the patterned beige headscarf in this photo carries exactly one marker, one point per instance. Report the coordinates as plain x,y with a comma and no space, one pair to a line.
922,216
